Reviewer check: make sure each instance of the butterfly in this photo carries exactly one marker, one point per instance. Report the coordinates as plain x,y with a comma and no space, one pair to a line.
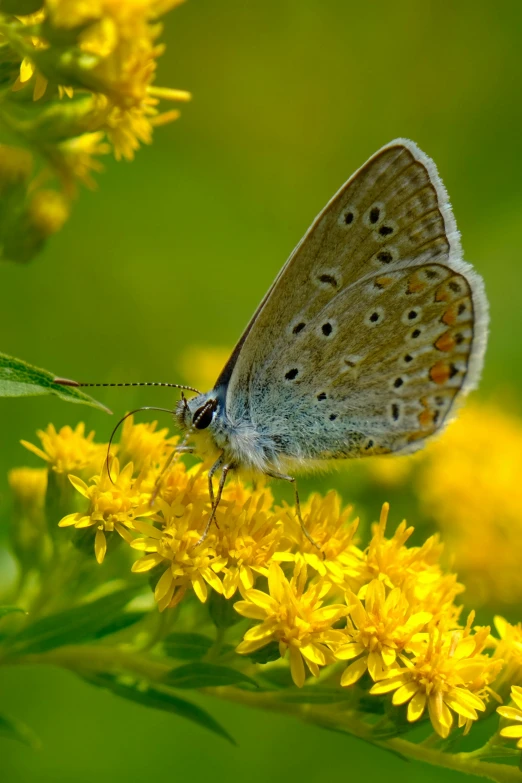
371,333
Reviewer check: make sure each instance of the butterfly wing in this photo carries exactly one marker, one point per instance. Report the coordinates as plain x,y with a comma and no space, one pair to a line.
372,328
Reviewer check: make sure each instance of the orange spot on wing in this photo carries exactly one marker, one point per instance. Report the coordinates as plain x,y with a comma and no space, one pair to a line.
446,342
415,285
450,316
440,373
384,282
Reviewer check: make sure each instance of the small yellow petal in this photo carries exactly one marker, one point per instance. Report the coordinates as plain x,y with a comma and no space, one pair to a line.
354,672
100,546
416,706
297,668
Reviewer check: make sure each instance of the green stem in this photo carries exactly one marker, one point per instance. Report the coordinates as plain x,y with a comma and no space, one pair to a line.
102,658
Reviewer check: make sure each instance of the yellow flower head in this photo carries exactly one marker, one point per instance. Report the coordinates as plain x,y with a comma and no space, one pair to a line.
294,616
378,631
416,569
247,536
175,545
508,649
29,486
327,524
65,451
443,676
513,713
143,445
114,504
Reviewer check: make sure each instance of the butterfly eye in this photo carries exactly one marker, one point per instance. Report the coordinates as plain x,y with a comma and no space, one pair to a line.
204,415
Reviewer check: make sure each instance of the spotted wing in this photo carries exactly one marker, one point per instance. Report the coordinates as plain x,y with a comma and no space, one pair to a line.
374,325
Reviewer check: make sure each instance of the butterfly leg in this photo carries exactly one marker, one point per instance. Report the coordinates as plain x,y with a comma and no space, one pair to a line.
215,499
293,481
175,451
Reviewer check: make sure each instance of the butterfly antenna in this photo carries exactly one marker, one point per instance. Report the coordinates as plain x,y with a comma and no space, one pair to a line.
68,382
115,430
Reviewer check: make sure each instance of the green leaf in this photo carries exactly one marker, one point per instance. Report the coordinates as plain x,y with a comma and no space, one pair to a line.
19,379
206,675
15,729
73,626
266,654
119,623
5,610
160,699
187,646
221,611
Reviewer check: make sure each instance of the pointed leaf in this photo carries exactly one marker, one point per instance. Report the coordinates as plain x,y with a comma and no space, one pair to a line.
206,675
20,379
187,646
73,626
15,729
270,652
221,611
161,699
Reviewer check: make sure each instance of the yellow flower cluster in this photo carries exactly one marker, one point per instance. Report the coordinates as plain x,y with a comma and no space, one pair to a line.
89,70
384,615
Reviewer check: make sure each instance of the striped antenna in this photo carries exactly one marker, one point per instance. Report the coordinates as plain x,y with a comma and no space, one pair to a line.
67,382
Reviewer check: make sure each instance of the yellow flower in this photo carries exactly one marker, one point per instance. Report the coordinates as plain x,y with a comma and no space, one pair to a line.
378,632
470,484
248,533
513,714
65,451
174,545
508,649
29,486
294,616
327,524
442,676
113,505
28,68
143,445
416,569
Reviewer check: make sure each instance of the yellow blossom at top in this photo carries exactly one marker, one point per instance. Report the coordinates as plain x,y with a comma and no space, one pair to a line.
66,450
442,676
294,615
114,503
378,631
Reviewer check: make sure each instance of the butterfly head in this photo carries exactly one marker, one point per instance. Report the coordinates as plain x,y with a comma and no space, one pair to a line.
199,412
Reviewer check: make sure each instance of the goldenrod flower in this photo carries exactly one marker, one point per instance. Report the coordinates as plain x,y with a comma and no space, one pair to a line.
442,677
334,553
175,545
114,504
416,569
508,649
29,486
143,445
378,631
247,536
66,450
294,616
513,714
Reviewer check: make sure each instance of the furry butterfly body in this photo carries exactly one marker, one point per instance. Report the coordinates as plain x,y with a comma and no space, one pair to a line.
370,334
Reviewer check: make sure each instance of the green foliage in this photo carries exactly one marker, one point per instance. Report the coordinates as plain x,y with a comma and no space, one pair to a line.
20,379
160,699
187,646
74,626
206,675
15,729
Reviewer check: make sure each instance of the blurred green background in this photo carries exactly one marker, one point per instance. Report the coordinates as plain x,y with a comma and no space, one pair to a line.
177,248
